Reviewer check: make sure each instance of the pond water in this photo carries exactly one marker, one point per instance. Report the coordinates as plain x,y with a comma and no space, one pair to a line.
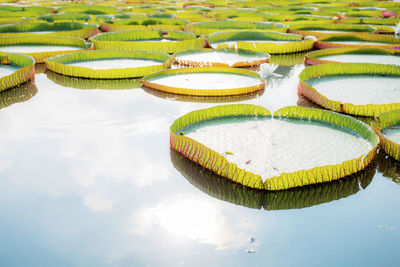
88,179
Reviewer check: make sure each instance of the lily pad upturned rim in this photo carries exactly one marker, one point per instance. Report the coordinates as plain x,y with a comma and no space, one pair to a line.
45,40
61,29
127,40
312,58
57,64
220,64
386,120
217,163
25,72
204,92
323,41
89,84
295,198
209,27
309,29
346,69
242,37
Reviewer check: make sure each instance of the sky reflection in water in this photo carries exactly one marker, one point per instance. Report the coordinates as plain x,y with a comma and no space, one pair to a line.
87,180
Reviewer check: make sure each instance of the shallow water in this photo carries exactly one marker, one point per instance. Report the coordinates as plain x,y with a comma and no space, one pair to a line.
270,147
87,180
364,58
218,57
36,48
207,80
119,63
359,89
6,70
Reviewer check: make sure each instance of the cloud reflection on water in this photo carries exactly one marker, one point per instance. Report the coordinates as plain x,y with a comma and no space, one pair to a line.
198,218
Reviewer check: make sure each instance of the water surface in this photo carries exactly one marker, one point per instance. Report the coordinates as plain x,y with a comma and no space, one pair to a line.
87,180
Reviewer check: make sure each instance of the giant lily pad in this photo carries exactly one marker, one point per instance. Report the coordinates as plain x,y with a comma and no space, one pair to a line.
164,24
208,27
15,69
267,42
171,42
388,130
357,40
322,29
296,147
354,55
42,47
353,88
220,58
206,81
62,29
101,64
